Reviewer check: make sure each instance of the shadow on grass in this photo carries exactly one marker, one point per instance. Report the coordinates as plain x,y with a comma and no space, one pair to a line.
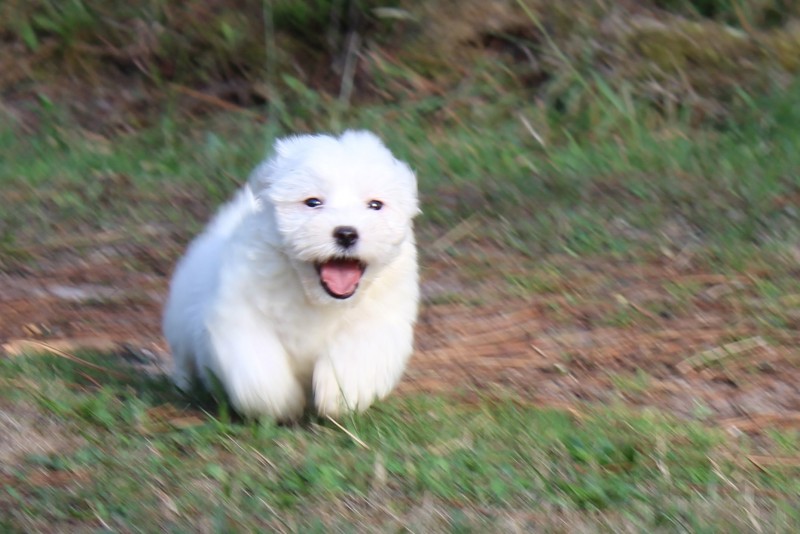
97,381
100,385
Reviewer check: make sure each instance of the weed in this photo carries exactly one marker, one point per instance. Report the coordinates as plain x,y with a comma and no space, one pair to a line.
636,383
536,282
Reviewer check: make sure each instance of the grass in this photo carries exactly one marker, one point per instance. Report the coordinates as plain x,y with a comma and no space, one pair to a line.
140,456
608,149
136,455
629,189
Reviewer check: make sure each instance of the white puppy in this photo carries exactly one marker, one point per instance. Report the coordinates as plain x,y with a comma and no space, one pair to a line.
305,285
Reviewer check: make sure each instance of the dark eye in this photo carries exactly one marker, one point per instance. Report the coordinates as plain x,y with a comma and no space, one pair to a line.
375,205
312,202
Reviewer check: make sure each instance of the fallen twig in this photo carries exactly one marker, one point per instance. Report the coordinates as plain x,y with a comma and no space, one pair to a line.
759,422
457,233
531,130
343,429
720,353
763,462
21,346
213,100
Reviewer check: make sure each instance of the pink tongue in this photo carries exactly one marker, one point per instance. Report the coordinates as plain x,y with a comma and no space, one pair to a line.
341,276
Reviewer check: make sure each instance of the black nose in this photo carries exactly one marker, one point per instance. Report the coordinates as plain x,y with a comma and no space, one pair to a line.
346,236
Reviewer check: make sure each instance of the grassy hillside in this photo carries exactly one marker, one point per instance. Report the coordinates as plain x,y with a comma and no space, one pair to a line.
576,127
563,149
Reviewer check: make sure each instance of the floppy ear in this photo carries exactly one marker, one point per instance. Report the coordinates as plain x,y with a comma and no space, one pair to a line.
283,150
410,177
261,176
287,147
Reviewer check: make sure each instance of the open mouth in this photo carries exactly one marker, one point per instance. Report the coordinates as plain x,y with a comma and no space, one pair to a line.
340,276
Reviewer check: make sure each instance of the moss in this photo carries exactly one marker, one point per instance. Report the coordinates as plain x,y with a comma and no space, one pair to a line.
707,61
682,44
784,47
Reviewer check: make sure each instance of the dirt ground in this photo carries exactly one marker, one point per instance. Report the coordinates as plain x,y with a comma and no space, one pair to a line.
657,334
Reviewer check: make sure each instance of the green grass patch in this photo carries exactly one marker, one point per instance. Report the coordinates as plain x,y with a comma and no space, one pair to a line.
631,190
139,464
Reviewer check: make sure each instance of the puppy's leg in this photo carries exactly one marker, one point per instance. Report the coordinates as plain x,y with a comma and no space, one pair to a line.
183,370
180,337
361,366
254,369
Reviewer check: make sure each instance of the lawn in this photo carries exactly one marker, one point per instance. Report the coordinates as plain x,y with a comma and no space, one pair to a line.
610,324
116,449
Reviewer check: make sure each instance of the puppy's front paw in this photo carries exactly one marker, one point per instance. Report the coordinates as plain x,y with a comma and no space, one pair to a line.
335,394
182,379
257,395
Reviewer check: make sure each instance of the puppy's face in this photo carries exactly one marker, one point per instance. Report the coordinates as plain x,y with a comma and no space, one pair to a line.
343,208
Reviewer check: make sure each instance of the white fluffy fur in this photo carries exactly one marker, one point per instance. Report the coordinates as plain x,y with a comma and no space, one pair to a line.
246,302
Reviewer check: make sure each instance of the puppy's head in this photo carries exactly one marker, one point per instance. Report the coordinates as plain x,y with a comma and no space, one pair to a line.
343,207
